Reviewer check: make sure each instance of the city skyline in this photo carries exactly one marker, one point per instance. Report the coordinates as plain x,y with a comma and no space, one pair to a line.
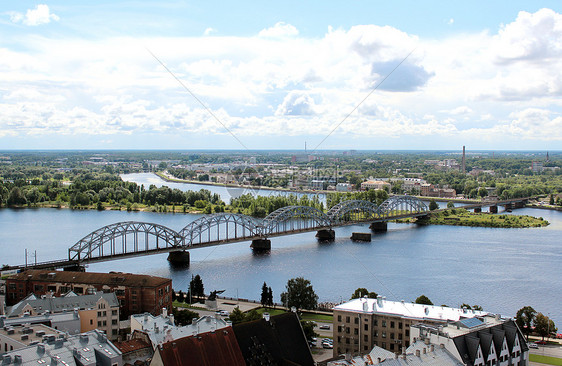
90,76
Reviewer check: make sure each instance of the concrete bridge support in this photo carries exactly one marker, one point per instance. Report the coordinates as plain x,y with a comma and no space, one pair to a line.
180,257
361,236
379,227
520,204
477,209
326,234
493,209
261,244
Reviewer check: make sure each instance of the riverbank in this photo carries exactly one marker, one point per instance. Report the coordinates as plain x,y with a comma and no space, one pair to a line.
461,217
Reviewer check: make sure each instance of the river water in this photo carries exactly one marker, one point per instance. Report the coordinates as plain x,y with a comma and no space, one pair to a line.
500,269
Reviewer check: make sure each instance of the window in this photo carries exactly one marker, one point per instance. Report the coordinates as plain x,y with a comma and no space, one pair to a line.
384,334
347,341
38,288
392,346
347,319
366,338
11,286
99,323
384,323
339,318
114,331
104,323
347,330
356,320
400,336
392,324
120,292
91,321
78,290
355,331
160,292
366,327
375,323
407,332
391,335
383,345
113,312
134,292
167,288
400,325
114,322
407,344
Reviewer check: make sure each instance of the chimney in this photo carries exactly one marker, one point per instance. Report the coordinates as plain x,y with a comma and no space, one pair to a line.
418,353
432,349
463,160
266,316
426,340
379,301
164,312
424,350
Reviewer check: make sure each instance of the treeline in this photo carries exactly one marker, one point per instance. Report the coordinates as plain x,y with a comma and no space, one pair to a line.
261,206
376,196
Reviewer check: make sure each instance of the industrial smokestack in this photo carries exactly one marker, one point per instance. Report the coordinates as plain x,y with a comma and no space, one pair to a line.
463,160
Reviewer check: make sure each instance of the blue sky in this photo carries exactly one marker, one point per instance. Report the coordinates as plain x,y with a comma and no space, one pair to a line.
483,74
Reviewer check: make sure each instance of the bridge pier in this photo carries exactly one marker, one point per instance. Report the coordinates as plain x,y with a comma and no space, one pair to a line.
326,234
379,227
261,244
75,268
477,209
179,257
361,236
520,204
493,209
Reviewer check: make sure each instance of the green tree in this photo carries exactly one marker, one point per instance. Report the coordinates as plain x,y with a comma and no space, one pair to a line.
544,326
362,292
252,315
196,286
433,205
551,200
263,297
450,204
524,318
482,192
236,316
270,297
16,197
423,300
184,316
308,329
477,308
299,294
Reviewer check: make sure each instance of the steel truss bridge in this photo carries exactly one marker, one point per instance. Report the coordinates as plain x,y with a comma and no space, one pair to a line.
131,238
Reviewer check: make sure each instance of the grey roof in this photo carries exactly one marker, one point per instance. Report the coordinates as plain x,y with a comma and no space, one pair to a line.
69,301
87,349
432,356
161,329
52,318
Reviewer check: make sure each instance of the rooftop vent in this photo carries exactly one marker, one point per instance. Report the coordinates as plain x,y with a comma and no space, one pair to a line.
6,359
24,337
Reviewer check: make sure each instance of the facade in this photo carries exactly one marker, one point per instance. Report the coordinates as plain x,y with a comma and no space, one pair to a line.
136,293
374,184
361,324
86,349
483,341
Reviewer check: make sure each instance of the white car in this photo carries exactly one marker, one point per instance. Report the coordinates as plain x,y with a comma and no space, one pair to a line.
533,345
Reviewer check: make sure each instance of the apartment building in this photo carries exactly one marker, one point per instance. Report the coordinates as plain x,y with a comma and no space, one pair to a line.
136,293
361,324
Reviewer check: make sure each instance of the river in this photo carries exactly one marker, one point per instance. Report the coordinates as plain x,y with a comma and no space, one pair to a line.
500,269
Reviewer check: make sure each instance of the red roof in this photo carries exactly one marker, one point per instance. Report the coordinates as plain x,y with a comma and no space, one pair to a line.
218,348
131,345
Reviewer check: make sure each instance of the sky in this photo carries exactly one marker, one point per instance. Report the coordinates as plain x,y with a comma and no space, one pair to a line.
376,75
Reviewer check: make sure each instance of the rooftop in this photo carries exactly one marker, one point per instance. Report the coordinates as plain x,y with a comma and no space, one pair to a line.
67,302
27,334
110,279
161,329
407,310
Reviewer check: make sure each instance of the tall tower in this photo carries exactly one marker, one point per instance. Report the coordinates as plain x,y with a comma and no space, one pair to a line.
547,160
463,160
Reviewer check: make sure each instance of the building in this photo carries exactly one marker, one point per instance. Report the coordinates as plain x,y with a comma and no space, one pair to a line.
536,166
374,184
418,353
161,329
135,352
206,349
344,187
97,311
361,324
276,340
68,322
86,349
481,341
136,293
20,336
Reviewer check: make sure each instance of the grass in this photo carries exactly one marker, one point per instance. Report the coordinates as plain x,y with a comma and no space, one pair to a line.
178,304
271,311
545,359
317,317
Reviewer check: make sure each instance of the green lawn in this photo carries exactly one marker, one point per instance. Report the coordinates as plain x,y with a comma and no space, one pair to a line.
545,359
317,317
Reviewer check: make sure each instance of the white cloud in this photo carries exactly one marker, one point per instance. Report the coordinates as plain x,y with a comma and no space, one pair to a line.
209,31
33,17
450,21
279,30
281,83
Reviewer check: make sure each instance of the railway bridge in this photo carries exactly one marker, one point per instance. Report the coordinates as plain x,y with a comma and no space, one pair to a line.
130,239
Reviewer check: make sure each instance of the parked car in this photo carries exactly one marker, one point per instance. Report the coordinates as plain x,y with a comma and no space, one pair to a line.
324,326
533,345
327,345
540,342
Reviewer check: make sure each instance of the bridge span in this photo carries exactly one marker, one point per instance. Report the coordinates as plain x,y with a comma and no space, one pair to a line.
130,239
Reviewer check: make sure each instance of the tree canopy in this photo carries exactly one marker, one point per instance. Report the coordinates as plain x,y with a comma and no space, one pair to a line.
299,294
423,300
544,326
362,292
525,318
